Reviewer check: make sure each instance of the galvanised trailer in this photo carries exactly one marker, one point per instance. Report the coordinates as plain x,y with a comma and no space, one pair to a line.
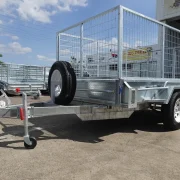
123,62
25,77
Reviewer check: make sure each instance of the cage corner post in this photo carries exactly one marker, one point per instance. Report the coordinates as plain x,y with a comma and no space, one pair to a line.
57,46
44,71
98,70
120,40
163,51
81,49
8,67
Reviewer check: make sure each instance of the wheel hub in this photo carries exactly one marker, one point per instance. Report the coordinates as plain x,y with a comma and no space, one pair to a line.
2,104
57,90
56,83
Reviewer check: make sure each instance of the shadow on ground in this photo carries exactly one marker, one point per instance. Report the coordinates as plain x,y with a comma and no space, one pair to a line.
72,128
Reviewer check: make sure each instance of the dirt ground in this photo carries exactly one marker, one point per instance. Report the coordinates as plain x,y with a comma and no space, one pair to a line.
136,148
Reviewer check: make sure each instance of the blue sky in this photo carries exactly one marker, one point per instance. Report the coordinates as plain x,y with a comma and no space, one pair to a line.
28,27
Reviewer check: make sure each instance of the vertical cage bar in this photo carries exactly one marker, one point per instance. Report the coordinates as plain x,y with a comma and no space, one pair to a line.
148,65
8,66
44,69
1,71
57,46
163,51
126,60
81,50
120,40
98,59
174,63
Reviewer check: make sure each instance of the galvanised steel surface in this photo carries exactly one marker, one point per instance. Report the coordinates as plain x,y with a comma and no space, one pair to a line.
121,43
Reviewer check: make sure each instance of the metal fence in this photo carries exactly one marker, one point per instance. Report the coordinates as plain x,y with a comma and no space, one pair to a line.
15,73
172,54
121,43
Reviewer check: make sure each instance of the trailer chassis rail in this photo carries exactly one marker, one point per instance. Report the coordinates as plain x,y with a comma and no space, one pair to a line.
25,112
86,112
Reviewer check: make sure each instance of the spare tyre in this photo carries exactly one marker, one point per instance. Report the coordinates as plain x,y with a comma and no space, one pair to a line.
58,83
61,81
72,81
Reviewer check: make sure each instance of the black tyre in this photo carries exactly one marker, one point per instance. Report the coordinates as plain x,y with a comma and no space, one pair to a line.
171,113
33,145
1,88
60,83
72,82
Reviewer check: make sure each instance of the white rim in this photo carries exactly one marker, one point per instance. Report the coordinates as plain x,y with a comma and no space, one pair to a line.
56,83
2,104
177,110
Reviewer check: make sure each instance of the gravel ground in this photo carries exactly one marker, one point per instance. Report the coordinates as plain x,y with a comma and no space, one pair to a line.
136,148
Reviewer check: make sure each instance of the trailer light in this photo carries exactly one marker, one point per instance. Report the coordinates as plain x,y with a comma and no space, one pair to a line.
18,90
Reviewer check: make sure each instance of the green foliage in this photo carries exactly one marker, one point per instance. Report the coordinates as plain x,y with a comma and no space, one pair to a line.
1,62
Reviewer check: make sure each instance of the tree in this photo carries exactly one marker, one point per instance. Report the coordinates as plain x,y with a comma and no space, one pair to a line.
0,60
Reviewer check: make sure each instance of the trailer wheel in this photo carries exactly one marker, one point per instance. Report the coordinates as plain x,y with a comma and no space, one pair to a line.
171,113
72,82
58,83
33,145
61,83
1,88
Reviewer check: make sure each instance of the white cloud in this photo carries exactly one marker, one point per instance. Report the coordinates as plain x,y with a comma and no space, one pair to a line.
138,43
44,58
1,22
39,10
65,51
114,41
2,46
11,21
14,37
126,45
103,46
14,48
111,44
9,35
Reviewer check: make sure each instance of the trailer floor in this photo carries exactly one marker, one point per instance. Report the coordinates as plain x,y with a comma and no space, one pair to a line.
67,148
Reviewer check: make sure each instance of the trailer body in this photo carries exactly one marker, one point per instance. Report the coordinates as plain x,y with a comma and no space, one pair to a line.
124,62
129,58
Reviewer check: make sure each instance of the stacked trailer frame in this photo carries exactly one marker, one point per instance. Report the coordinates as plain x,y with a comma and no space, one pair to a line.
25,77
